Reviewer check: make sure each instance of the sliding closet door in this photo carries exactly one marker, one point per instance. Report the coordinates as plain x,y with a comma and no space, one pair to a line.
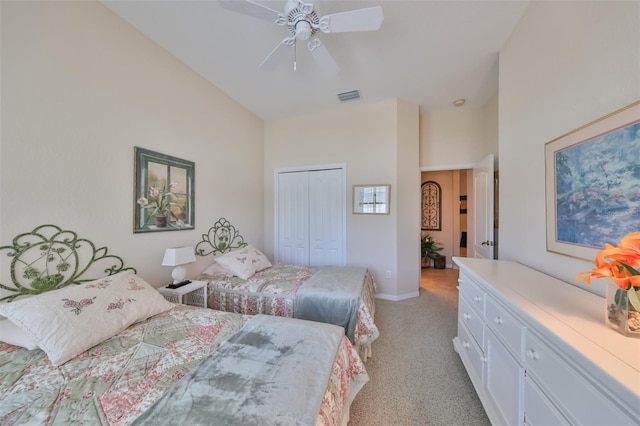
293,218
326,207
310,217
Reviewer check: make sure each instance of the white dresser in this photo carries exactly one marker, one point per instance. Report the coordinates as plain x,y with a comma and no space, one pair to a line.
538,351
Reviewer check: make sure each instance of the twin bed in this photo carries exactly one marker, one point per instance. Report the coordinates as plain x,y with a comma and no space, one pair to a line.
95,344
241,279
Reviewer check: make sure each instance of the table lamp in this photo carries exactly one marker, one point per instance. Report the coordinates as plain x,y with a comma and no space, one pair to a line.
178,256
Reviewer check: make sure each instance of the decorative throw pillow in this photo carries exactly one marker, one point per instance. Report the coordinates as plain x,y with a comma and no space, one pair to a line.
238,263
216,268
69,321
244,262
14,335
259,260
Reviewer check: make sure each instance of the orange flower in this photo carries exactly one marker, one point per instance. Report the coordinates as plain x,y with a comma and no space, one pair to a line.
630,249
619,264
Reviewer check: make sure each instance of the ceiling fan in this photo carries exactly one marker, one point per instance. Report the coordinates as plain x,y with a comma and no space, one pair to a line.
304,23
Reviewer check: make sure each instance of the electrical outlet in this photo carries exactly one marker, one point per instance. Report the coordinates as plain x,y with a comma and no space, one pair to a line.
387,274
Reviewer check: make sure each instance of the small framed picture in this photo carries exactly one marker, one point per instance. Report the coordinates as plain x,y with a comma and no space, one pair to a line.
164,192
371,199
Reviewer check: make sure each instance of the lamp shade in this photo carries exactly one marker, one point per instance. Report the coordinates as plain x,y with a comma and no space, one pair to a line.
175,256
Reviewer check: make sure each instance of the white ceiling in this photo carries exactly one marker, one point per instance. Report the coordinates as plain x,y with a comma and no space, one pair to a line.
429,52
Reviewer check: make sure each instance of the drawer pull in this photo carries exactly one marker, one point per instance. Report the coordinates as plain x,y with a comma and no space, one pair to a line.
497,320
477,299
465,344
531,354
466,316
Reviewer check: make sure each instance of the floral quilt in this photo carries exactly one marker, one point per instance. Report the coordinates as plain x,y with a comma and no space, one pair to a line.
120,378
272,291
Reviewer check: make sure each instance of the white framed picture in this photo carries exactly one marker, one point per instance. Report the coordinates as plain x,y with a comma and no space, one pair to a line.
371,199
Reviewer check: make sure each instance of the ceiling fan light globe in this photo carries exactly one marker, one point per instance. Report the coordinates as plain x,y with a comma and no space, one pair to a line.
303,30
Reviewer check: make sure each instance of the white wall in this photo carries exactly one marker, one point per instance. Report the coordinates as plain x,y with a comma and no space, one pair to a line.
565,65
490,129
364,136
407,200
80,89
451,138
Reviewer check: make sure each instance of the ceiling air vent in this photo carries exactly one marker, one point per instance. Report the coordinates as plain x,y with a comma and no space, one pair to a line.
349,96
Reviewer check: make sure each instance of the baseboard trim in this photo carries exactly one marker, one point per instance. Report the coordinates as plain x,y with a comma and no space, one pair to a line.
397,298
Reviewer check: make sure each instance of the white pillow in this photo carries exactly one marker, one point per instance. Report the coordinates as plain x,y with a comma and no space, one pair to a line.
69,321
259,260
244,262
216,268
14,335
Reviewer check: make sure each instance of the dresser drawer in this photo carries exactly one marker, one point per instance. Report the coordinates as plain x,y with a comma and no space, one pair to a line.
578,399
510,330
474,322
472,291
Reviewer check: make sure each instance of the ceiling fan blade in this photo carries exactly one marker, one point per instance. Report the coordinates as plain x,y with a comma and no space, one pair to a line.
322,56
368,19
274,58
251,8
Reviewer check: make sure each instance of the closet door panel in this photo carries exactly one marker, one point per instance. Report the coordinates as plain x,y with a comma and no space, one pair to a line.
326,210
293,218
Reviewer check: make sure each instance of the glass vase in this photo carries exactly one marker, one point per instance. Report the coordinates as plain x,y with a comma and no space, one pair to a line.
620,315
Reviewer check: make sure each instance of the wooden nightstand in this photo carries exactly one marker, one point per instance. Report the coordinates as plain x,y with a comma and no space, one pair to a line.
194,294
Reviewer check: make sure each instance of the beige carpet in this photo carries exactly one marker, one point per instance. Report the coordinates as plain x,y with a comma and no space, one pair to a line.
416,376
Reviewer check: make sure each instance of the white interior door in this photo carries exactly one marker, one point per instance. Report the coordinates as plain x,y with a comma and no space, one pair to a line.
293,218
482,235
326,210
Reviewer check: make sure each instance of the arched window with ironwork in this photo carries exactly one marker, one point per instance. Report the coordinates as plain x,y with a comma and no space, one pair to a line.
431,206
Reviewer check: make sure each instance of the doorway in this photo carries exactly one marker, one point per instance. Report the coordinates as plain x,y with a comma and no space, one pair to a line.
469,210
452,226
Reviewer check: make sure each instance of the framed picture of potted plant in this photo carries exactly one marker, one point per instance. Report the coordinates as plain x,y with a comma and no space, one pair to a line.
163,192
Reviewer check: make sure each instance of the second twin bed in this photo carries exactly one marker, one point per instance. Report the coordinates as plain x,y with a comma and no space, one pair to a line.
241,279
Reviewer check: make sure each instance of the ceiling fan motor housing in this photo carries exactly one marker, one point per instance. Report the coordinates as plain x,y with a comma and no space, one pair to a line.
302,20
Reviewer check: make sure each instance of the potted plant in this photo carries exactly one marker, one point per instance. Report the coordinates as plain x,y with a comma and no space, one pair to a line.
158,204
429,250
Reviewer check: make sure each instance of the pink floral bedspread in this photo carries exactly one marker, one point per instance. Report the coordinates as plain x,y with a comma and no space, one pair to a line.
115,381
272,291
